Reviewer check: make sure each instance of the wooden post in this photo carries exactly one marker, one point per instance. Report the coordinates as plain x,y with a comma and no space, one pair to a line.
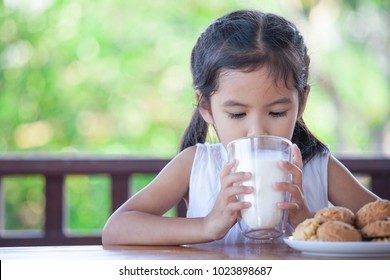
54,208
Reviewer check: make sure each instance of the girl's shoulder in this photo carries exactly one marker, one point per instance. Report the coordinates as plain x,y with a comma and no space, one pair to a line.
201,151
211,152
187,155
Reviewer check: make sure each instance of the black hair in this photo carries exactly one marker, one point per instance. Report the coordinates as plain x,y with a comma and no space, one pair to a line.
247,40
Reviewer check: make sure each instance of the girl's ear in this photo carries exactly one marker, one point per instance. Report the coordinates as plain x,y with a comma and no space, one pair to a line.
306,95
204,108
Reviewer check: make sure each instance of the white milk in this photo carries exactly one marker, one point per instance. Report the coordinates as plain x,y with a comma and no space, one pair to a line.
263,214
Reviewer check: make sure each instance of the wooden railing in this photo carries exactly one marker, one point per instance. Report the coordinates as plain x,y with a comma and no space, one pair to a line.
120,170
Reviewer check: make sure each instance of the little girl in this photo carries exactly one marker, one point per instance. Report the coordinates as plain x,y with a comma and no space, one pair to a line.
250,74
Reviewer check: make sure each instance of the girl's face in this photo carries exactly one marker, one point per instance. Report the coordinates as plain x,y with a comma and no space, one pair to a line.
249,104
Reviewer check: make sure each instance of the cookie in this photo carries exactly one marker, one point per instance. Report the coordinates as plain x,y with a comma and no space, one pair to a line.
335,214
306,230
377,229
384,239
338,231
373,211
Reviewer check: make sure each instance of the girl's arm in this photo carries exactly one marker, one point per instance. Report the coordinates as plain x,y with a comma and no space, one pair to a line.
139,220
344,189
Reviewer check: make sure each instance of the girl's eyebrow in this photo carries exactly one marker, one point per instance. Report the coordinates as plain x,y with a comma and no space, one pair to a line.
283,100
233,103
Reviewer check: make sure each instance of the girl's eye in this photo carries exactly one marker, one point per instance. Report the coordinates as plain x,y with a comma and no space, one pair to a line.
278,114
236,116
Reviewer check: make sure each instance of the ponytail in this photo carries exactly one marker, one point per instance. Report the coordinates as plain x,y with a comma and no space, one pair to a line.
196,131
308,144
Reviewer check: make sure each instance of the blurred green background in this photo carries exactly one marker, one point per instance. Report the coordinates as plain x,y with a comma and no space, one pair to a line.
113,77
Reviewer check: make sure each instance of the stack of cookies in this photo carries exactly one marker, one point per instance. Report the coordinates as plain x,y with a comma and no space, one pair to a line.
373,221
370,223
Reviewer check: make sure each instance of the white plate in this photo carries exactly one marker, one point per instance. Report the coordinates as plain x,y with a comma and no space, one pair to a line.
340,249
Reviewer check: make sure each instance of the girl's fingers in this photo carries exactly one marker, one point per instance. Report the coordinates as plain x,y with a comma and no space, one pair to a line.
295,171
239,190
288,206
228,178
295,168
297,200
297,206
238,177
227,169
297,157
229,195
294,190
237,206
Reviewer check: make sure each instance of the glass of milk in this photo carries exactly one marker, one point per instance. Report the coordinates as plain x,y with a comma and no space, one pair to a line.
260,155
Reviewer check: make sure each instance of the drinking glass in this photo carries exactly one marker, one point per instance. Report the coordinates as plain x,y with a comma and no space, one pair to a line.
260,155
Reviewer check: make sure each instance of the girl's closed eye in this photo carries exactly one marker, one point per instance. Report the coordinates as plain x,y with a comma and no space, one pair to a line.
236,115
278,114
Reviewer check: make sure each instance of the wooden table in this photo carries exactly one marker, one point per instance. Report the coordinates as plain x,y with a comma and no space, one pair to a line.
270,251
207,261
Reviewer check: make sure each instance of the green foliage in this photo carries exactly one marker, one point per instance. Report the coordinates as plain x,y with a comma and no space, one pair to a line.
89,195
113,76
24,202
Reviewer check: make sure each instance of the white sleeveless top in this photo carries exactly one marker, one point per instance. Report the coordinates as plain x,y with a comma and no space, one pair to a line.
205,185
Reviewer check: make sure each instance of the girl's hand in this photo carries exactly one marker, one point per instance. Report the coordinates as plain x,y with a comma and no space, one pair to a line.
297,207
226,209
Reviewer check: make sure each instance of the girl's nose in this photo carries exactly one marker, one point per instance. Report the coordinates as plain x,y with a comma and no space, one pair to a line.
257,129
